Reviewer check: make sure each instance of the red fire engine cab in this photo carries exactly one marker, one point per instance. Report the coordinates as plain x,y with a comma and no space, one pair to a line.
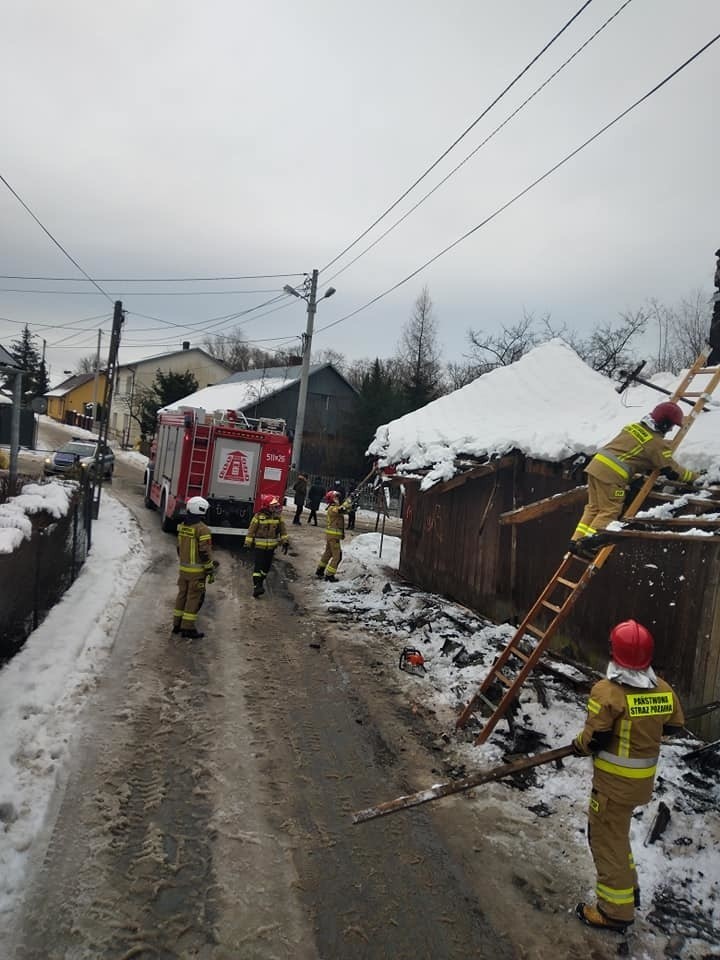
222,456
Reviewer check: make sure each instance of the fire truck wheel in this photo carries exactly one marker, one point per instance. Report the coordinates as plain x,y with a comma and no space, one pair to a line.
168,524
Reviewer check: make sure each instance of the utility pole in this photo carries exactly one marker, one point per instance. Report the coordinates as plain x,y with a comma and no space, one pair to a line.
98,467
97,379
305,374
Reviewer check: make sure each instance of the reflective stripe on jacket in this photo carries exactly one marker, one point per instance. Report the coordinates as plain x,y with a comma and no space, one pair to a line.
636,449
194,547
335,519
628,723
266,531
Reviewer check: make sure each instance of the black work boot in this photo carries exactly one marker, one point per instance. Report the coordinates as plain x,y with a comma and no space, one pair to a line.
176,628
320,573
258,590
331,579
191,634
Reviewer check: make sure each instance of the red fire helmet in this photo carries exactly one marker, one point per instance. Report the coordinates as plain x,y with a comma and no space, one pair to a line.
668,413
631,645
332,496
268,501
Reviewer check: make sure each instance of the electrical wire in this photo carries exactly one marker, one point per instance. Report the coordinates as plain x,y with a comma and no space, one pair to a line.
56,326
56,242
138,293
460,137
250,276
529,187
482,143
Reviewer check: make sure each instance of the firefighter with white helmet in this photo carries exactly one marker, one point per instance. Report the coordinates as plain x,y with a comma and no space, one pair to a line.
267,531
194,550
638,447
627,713
334,533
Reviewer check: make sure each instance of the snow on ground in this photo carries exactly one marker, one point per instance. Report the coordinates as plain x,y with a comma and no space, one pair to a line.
549,405
43,689
15,526
679,873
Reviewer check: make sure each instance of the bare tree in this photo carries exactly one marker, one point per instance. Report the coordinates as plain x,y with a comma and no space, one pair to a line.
491,350
418,354
460,374
682,331
608,347
86,364
328,355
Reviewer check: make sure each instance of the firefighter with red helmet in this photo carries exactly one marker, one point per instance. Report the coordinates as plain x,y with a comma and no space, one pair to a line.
266,532
334,533
194,550
627,714
637,448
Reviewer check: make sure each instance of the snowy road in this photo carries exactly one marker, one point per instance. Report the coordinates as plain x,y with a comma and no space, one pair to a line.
207,813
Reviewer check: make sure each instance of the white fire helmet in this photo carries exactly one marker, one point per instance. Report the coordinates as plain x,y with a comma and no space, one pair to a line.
198,506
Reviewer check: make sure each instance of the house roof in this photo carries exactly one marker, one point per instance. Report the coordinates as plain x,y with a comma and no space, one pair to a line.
548,405
172,353
6,359
72,383
247,387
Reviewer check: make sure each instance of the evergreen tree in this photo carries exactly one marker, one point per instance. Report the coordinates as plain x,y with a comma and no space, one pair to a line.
166,388
381,400
419,355
35,381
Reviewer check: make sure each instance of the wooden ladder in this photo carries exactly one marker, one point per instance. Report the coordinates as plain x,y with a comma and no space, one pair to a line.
551,608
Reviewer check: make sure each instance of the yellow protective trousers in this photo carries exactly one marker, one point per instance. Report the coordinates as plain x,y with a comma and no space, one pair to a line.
609,838
332,555
605,503
190,596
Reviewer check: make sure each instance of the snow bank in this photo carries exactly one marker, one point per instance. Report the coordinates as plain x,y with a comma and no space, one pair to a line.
52,498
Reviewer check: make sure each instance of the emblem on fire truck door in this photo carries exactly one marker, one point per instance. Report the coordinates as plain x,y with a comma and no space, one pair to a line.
235,468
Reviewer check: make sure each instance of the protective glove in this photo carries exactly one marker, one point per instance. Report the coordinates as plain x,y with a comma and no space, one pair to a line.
285,547
577,749
700,482
210,577
216,563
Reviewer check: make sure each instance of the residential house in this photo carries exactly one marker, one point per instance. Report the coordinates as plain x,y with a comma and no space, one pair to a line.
273,393
469,461
75,397
141,373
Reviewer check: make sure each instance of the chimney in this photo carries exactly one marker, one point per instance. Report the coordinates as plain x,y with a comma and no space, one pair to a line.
186,344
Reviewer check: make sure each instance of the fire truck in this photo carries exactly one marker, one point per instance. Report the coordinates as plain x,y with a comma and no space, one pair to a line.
222,456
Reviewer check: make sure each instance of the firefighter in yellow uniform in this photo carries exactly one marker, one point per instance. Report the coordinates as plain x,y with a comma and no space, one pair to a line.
194,550
638,447
627,714
334,533
266,532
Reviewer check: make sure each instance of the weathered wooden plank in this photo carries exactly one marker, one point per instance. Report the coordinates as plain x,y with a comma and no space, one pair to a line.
542,507
676,522
483,470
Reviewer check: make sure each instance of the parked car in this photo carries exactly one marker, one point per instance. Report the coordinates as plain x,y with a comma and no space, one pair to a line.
79,453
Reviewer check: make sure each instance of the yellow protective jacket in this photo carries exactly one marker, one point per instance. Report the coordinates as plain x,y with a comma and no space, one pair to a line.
266,531
636,449
623,730
194,548
335,519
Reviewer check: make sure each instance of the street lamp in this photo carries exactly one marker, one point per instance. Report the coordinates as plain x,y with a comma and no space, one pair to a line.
311,300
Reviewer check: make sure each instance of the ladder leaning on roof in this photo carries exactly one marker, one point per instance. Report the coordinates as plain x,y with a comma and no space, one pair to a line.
551,608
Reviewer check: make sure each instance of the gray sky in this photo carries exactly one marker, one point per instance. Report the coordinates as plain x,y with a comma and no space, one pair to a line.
179,139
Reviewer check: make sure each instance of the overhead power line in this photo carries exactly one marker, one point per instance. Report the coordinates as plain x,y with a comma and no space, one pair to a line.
528,188
249,276
56,242
138,293
481,144
459,138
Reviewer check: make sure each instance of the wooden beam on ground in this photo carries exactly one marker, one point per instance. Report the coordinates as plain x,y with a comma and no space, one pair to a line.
540,508
483,470
676,522
701,503
612,536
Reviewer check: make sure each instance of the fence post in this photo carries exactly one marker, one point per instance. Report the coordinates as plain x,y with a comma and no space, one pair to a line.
73,565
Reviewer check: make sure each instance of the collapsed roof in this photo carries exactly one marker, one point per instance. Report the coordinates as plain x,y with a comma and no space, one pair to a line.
549,405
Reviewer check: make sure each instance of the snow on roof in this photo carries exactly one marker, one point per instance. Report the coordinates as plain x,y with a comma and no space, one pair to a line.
549,405
77,380
232,395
